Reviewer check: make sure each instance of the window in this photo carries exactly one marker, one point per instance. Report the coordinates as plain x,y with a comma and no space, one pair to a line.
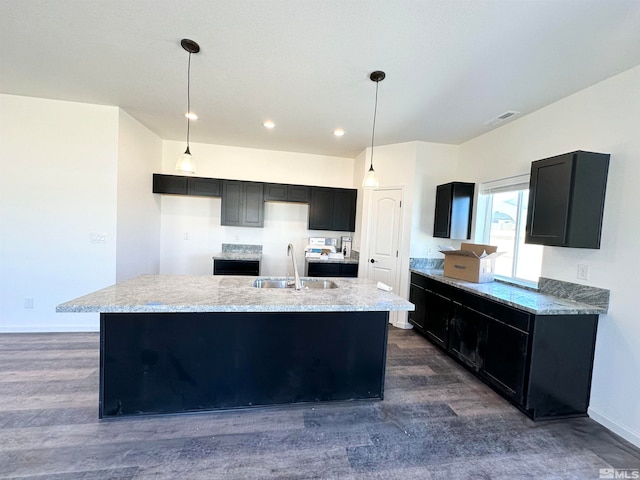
503,204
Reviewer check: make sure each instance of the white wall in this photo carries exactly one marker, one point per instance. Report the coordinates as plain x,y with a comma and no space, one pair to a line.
602,118
198,218
138,209
57,186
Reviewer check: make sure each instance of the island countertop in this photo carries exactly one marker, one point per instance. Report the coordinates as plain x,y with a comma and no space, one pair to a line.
209,293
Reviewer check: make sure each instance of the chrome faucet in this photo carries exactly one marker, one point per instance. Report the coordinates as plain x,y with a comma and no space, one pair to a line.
290,251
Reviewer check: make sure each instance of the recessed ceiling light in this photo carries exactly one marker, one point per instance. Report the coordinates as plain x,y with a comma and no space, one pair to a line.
191,116
268,124
338,132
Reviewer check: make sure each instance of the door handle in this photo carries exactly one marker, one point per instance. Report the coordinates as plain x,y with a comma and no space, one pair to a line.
373,260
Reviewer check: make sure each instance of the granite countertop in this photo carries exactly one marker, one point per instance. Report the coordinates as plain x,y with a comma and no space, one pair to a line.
210,293
331,260
522,298
238,256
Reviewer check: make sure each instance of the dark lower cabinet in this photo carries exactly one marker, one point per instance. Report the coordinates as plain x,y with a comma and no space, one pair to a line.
433,311
505,353
315,269
467,331
541,363
236,267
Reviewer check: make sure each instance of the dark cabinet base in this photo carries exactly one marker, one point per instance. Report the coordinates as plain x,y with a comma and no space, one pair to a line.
236,267
159,363
540,363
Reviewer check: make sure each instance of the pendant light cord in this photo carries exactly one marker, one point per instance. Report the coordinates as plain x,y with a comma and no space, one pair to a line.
373,133
188,98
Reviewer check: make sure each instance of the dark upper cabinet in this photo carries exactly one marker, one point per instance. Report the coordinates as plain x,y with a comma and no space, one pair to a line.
181,185
242,204
174,184
277,192
566,200
332,209
206,187
454,209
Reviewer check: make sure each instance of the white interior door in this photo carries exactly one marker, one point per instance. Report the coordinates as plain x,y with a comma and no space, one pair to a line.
384,240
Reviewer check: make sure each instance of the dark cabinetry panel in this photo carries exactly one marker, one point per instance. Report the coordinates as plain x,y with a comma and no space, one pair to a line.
542,363
173,184
566,200
454,208
236,267
278,192
242,204
207,187
332,209
433,310
315,269
180,185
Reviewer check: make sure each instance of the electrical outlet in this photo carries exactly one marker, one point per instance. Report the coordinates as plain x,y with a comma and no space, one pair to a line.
28,302
583,272
429,251
98,237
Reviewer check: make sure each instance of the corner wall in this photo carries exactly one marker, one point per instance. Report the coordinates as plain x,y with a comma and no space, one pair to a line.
601,118
138,209
58,164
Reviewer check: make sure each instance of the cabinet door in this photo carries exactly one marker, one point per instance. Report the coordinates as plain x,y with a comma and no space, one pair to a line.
505,358
321,209
349,270
549,197
298,193
324,269
206,187
437,317
253,205
442,222
236,267
344,210
275,192
174,184
418,296
466,333
232,193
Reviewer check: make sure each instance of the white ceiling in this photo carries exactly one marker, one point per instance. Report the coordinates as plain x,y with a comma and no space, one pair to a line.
451,64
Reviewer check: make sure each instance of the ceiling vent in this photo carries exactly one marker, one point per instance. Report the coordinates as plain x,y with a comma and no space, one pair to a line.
501,118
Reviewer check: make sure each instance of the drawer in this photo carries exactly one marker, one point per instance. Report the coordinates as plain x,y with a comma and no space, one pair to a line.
434,286
508,315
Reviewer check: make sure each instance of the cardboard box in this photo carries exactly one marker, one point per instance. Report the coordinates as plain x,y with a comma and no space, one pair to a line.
473,262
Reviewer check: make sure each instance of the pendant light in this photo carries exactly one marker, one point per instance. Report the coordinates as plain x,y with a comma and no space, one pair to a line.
186,163
371,179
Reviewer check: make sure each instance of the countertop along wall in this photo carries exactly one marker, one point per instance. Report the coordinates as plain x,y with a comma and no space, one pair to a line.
601,118
190,226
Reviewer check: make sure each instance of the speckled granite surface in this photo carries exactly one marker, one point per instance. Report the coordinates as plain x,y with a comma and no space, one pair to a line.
426,263
238,251
574,291
331,260
209,293
521,298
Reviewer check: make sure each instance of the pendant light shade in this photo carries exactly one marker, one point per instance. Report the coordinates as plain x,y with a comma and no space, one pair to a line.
186,163
371,178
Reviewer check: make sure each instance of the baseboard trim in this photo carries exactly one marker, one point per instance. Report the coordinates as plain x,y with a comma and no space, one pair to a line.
614,426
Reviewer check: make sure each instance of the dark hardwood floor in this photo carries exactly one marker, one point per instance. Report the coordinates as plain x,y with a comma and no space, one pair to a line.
436,422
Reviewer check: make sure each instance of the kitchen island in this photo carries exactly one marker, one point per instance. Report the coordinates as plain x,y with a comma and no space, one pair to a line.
184,343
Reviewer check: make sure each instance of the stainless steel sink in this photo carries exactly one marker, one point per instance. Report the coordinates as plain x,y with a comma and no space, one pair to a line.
308,283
